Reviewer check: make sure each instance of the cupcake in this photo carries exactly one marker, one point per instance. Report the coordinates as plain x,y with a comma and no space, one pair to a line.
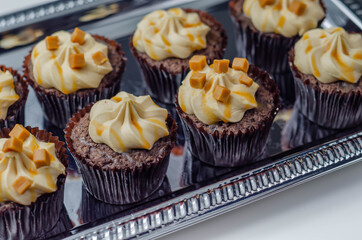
164,41
327,69
265,30
122,147
32,176
227,112
13,94
69,71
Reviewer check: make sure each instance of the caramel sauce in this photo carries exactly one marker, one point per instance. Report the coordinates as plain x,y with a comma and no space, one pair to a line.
346,70
281,21
308,49
248,97
62,82
140,131
189,25
358,56
190,37
305,37
49,179
39,80
36,53
182,104
165,41
118,139
99,127
227,110
315,69
200,40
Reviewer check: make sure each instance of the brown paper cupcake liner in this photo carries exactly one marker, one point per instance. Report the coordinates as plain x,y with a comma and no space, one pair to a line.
328,109
161,82
58,108
26,222
121,186
236,148
16,111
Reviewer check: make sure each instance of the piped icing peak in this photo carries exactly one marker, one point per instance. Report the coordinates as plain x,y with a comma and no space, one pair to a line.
330,55
8,95
28,167
217,92
69,62
286,17
127,122
172,33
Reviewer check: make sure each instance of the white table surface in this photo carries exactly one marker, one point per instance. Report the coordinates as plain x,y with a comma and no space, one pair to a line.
329,207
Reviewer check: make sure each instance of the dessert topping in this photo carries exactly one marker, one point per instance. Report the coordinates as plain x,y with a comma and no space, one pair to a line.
8,95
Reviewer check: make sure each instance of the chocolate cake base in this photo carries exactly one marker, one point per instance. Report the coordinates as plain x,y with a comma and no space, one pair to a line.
59,107
163,77
26,222
235,144
334,105
118,178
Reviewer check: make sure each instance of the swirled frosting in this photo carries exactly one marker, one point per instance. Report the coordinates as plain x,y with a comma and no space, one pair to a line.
278,18
203,104
330,55
127,122
8,95
20,164
51,68
172,33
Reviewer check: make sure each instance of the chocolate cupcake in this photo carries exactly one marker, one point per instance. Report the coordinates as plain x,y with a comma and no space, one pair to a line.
69,71
266,30
122,147
13,94
32,172
164,42
327,69
227,112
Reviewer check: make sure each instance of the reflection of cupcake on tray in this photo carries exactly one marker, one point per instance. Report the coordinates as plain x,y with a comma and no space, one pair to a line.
122,147
227,112
63,225
327,69
13,94
299,130
165,40
92,209
69,71
267,29
32,177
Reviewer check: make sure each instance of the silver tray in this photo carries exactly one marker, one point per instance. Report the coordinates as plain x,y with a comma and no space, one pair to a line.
297,150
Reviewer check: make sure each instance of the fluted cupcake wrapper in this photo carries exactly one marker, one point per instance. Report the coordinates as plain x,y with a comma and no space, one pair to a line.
27,222
16,110
120,186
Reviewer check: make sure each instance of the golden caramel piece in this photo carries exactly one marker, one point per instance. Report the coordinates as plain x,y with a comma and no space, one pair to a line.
52,42
240,64
77,61
116,98
22,184
263,3
197,62
99,58
297,7
198,80
221,65
19,132
41,158
13,144
221,93
78,36
245,80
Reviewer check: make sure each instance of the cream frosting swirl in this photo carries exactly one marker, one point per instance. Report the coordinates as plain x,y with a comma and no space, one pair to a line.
203,104
278,18
127,122
51,68
330,55
20,164
8,95
172,33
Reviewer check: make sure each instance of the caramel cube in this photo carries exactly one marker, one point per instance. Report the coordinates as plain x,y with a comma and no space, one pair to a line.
221,93
52,42
245,80
198,80
13,144
19,132
22,184
197,62
77,61
41,158
78,36
99,58
240,64
263,3
297,7
221,65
